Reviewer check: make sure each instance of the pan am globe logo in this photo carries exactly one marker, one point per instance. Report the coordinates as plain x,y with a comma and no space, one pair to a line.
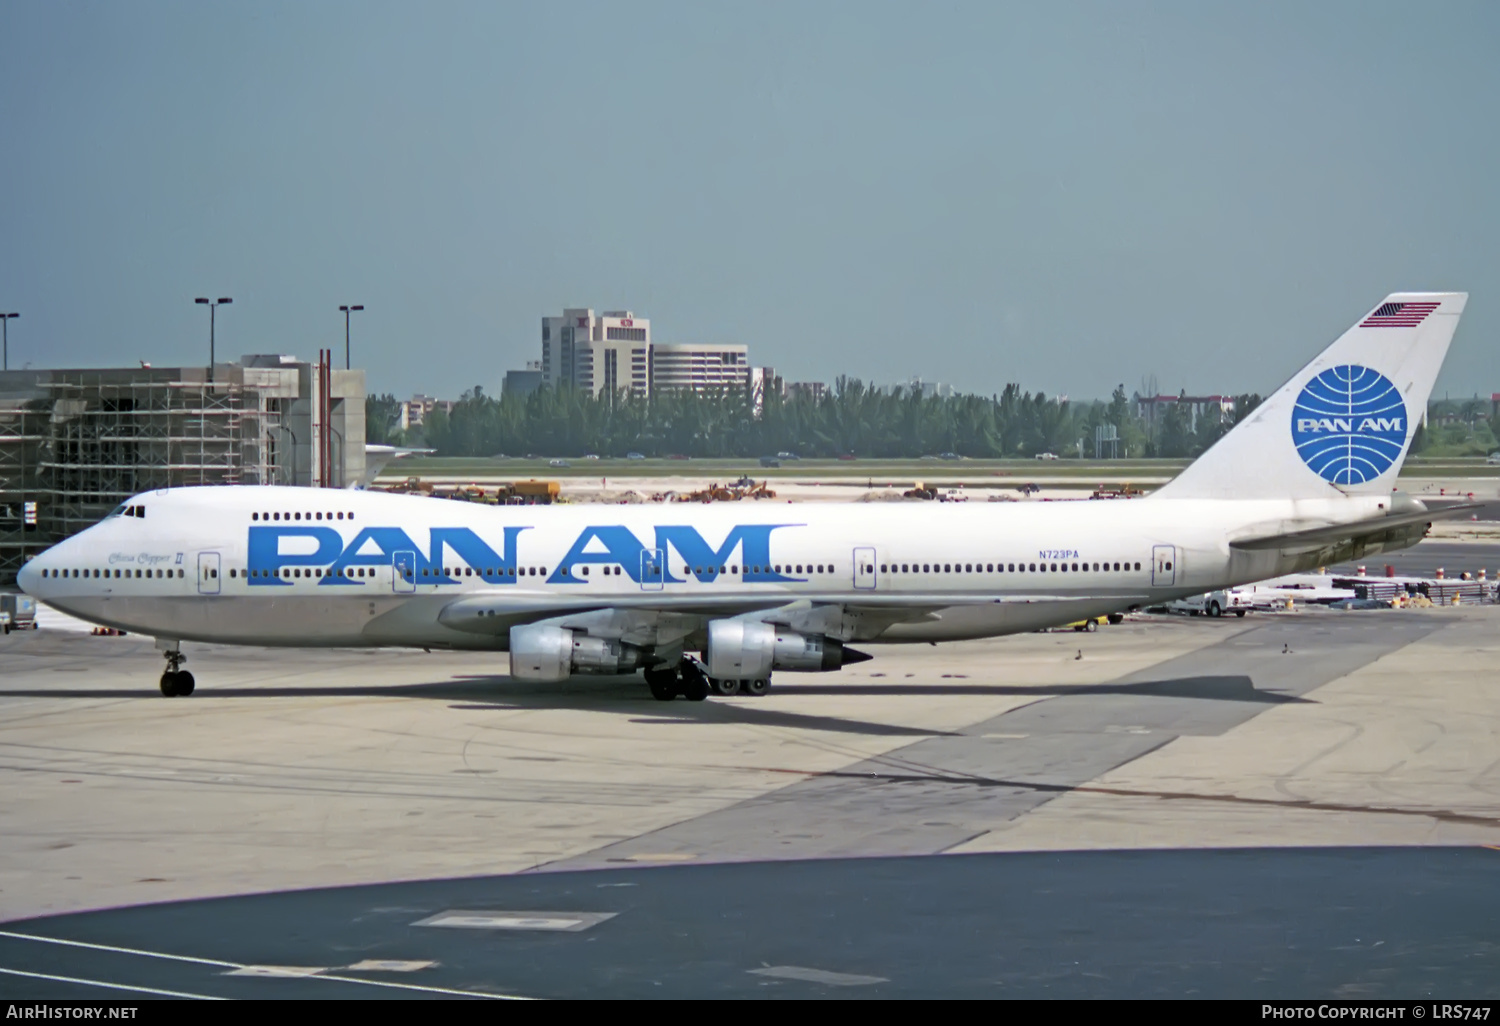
1349,424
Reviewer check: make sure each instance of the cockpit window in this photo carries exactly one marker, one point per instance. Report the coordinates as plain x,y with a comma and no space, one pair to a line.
118,511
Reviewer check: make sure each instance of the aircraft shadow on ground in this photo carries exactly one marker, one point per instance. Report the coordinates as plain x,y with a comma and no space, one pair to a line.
1224,688
617,695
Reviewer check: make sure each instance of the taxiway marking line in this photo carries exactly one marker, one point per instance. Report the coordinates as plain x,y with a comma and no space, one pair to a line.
111,986
119,950
237,965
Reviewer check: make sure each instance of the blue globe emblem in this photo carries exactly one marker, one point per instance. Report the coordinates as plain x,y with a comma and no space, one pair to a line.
1349,424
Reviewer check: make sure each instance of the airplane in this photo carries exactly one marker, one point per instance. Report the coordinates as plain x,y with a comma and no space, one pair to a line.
713,599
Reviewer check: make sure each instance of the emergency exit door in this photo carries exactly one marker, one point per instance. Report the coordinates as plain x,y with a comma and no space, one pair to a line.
864,568
1163,566
403,572
653,569
208,573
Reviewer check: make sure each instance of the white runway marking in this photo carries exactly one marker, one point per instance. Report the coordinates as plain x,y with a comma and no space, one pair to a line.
239,965
379,965
797,972
564,921
280,972
111,986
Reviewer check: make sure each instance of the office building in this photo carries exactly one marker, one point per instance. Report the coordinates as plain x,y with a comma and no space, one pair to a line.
699,368
597,353
523,382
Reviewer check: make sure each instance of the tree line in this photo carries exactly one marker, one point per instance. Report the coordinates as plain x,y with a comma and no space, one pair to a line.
851,418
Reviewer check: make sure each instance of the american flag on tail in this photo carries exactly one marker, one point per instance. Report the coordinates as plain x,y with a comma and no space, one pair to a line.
1398,315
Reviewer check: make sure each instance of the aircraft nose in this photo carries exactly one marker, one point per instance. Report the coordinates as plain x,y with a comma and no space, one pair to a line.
28,576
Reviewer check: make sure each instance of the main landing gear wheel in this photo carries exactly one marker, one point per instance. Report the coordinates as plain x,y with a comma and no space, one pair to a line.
663,684
724,686
755,688
694,682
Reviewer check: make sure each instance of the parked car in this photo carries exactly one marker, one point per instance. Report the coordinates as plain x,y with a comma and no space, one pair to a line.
557,463
634,456
1047,456
949,456
787,456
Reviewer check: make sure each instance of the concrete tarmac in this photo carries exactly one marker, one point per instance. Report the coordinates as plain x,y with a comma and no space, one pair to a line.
1287,805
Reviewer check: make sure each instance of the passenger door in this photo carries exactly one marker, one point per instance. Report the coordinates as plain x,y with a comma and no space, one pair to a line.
864,568
1163,566
208,573
403,572
653,568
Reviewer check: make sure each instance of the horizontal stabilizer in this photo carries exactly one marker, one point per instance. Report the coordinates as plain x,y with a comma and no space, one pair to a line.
1346,532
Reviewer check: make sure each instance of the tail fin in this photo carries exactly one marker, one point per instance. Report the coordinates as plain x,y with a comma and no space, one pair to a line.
1344,422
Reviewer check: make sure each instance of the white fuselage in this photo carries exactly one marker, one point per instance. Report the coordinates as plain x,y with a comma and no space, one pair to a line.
307,567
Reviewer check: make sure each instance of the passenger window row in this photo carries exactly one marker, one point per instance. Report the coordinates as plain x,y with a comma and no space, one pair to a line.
289,572
127,574
1004,568
300,516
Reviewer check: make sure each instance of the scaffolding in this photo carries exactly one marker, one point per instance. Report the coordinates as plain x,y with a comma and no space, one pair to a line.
74,444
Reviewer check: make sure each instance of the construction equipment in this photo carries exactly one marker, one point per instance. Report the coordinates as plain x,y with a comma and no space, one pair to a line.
528,493
1125,491
409,486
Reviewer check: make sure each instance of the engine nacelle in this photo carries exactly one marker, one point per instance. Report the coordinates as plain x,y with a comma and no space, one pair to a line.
540,652
750,650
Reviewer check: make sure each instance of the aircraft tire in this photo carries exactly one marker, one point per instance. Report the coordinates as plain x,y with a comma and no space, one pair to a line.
184,683
755,688
663,684
169,684
724,686
694,682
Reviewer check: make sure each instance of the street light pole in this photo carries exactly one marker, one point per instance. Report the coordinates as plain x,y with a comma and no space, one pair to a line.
347,310
5,319
212,307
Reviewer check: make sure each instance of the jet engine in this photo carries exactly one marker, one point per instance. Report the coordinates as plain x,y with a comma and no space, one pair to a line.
750,650
541,652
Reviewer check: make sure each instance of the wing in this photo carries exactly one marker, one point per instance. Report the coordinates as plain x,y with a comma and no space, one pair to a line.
1318,537
656,619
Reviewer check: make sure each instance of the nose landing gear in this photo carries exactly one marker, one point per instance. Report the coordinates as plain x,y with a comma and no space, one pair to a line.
176,682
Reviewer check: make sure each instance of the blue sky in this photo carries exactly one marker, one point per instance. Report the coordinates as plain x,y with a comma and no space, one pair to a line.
1065,195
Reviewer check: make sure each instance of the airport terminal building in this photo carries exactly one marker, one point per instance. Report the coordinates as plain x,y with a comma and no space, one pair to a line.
74,444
